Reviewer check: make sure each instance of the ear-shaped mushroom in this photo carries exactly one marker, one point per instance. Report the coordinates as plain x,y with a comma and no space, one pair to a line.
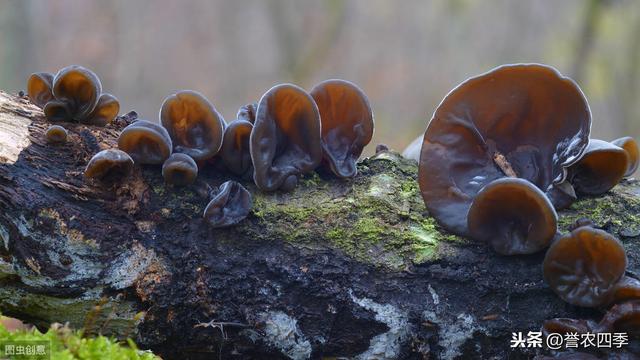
601,168
194,125
79,88
105,111
285,141
247,112
626,289
109,166
146,142
623,317
514,216
347,124
180,169
584,266
566,325
633,153
230,205
56,134
562,195
39,88
522,120
235,151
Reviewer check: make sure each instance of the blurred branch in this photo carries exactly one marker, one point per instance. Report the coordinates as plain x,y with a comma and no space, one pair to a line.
586,38
298,63
630,94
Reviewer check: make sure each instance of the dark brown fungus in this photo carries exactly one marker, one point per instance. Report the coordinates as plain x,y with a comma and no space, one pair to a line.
626,289
56,134
514,216
229,205
39,88
522,120
347,124
566,325
194,125
235,147
623,317
562,195
285,141
109,166
179,169
381,148
583,266
247,112
77,89
105,111
73,94
601,168
146,142
633,153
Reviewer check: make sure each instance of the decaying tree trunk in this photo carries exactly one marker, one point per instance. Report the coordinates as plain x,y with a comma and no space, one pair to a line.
335,268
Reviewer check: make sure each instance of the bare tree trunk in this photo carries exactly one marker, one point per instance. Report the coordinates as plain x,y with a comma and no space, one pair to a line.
335,268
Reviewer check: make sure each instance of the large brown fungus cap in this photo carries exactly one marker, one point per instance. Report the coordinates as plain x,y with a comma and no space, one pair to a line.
514,216
347,124
76,90
229,205
146,142
194,125
517,120
109,165
235,147
584,266
285,141
601,168
629,145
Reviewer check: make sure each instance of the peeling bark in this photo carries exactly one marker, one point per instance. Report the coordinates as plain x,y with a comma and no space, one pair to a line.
333,269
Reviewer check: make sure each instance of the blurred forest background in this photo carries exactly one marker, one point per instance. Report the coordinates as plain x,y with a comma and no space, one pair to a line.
406,55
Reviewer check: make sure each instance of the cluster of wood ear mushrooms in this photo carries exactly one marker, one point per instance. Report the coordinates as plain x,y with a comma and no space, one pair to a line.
288,133
503,152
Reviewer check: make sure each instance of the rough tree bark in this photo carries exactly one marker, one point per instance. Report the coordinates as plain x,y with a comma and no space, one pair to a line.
352,269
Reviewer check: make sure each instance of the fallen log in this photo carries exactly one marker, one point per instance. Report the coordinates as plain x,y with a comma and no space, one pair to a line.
334,268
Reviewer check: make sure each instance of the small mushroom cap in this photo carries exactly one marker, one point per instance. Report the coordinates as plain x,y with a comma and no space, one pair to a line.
601,168
56,134
39,88
247,112
180,169
109,166
79,88
105,111
285,140
347,124
230,205
526,116
623,317
194,125
629,145
235,151
146,142
583,266
514,216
